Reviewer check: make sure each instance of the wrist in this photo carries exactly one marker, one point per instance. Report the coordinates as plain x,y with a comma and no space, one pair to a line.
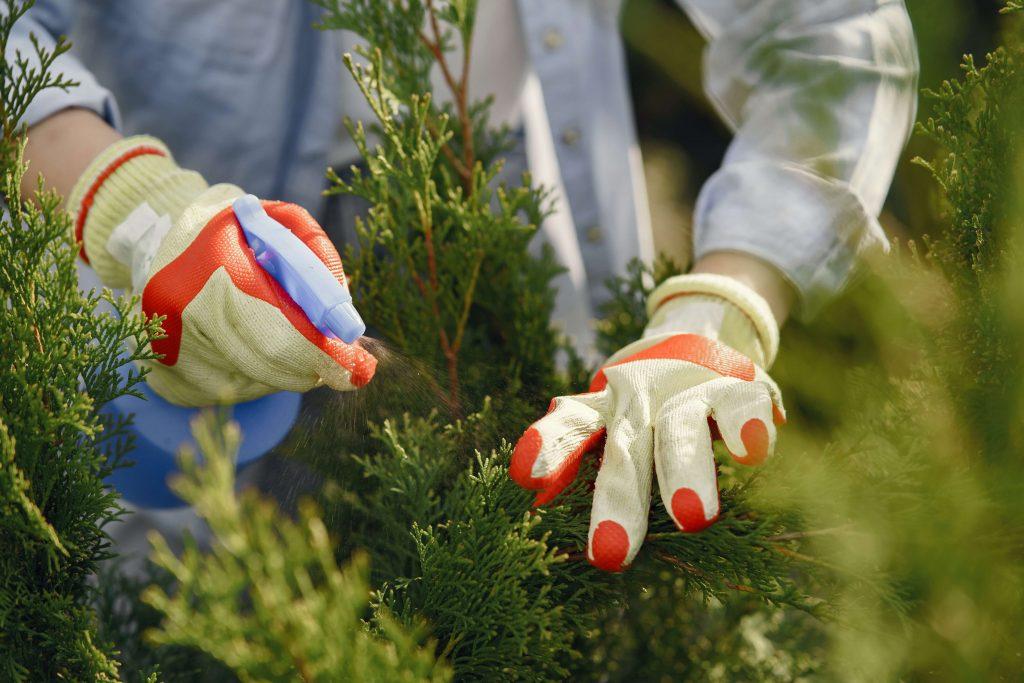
61,146
122,177
716,307
759,275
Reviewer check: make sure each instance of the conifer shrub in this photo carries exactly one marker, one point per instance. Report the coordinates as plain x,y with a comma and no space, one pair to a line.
270,601
60,352
882,543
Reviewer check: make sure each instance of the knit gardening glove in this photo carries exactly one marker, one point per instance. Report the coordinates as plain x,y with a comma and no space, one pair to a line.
701,358
232,332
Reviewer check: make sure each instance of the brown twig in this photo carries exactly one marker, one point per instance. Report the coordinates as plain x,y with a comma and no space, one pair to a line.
450,351
417,280
577,556
467,300
305,673
804,558
794,535
450,355
435,47
679,564
468,153
446,149
464,167
460,93
35,327
574,556
427,224
690,569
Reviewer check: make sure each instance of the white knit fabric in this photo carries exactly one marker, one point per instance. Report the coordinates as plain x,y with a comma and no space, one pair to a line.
749,302
701,356
234,347
135,241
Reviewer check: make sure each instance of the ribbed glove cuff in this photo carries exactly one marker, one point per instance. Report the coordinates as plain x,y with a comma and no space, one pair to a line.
749,309
126,174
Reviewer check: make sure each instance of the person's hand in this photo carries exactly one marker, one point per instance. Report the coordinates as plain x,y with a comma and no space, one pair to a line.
653,403
232,332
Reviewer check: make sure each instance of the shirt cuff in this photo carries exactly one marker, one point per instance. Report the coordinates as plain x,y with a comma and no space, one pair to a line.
811,228
88,94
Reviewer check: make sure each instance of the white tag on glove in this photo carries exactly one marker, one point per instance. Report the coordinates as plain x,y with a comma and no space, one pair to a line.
135,241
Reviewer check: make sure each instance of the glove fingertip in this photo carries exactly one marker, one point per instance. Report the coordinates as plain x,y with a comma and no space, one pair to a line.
363,370
545,496
609,547
351,366
688,511
523,458
756,441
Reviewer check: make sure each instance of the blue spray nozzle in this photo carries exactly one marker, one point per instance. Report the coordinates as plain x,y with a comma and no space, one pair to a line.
325,301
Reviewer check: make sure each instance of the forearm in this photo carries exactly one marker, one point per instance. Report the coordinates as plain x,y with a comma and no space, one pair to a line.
61,146
822,97
751,271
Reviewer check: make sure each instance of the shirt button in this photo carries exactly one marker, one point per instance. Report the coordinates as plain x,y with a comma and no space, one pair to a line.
571,136
553,39
594,234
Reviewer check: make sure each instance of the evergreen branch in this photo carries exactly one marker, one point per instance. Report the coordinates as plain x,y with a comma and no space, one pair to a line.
467,300
431,293
427,225
460,93
60,362
460,168
435,49
788,552
795,535
20,81
270,585
690,569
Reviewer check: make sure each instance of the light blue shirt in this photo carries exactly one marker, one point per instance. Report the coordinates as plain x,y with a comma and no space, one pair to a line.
820,95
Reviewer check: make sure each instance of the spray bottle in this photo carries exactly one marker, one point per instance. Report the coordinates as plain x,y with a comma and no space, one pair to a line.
160,429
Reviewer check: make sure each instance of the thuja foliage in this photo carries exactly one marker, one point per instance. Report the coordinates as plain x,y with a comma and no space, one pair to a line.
269,599
23,78
977,124
59,360
897,485
904,454
441,266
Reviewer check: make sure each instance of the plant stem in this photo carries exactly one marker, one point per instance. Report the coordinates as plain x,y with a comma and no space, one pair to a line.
460,93
806,558
450,351
450,346
446,149
690,569
467,300
794,535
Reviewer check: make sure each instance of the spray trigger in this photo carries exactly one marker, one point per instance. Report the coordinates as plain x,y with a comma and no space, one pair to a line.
325,301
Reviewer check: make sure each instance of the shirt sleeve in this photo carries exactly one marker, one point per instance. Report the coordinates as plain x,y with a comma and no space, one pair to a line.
46,21
821,95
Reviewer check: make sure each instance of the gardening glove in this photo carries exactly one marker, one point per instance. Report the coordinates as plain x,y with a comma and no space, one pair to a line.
232,332
699,366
